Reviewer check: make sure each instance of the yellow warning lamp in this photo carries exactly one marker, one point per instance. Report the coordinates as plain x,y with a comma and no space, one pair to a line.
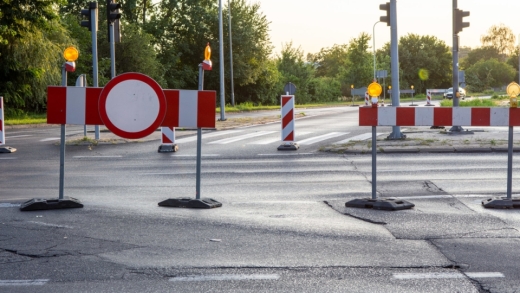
206,64
207,52
70,54
351,86
513,90
375,89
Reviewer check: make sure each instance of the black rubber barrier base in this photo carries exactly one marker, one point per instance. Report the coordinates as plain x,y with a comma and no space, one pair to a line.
289,147
37,204
168,148
387,204
6,149
186,202
502,203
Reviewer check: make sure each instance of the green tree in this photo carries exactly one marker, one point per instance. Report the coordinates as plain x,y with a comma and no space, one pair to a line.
293,68
359,69
489,73
422,53
32,41
501,38
330,61
481,53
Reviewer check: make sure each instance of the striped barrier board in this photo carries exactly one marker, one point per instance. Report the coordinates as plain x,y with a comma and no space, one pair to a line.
80,106
445,116
288,135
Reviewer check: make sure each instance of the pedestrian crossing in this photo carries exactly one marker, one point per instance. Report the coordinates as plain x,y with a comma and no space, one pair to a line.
272,137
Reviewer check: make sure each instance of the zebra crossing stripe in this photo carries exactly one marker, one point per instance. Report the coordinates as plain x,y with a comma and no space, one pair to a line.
206,135
319,138
277,139
241,137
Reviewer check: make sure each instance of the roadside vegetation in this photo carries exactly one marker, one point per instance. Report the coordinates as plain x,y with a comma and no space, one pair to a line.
33,37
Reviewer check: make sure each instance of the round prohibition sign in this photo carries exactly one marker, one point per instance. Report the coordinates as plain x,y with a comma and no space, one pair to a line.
132,105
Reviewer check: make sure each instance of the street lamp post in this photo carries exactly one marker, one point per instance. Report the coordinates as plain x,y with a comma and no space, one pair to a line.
221,63
374,45
231,57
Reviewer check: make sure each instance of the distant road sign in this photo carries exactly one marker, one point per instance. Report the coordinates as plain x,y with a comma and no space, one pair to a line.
289,88
132,105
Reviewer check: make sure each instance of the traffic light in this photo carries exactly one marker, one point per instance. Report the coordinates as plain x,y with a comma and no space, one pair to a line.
386,18
113,11
459,24
92,7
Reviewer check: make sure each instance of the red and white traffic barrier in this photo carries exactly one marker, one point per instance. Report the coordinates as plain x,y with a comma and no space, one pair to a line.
447,116
81,106
367,99
428,98
168,140
288,124
3,148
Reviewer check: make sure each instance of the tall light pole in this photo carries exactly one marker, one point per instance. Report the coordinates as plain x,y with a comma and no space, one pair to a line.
221,61
374,46
231,57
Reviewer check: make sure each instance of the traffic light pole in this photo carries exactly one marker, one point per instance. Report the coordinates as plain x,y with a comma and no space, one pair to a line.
94,27
396,130
455,66
112,51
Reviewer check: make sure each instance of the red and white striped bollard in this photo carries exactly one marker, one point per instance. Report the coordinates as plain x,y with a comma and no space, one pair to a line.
288,124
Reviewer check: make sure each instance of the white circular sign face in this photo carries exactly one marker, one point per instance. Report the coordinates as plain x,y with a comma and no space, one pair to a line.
132,105
130,99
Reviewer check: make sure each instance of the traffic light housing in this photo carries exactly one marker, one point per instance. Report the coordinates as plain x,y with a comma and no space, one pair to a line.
88,14
386,18
113,11
458,23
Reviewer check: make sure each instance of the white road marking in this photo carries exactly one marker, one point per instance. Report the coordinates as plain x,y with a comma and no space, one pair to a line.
241,137
10,205
10,158
96,157
212,134
278,139
226,278
37,282
364,136
478,275
453,275
204,155
50,225
50,138
319,138
14,136
286,154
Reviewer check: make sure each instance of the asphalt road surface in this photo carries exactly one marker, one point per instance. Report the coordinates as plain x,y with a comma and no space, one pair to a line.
283,226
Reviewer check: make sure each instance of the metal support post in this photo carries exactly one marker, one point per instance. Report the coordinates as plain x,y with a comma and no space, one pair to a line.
94,27
455,79
199,139
374,163
62,138
510,164
112,52
221,63
231,57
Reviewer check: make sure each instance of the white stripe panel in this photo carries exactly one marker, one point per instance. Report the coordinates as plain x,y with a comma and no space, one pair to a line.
319,138
499,117
386,116
76,103
288,106
461,116
169,133
451,275
241,137
287,130
188,101
424,116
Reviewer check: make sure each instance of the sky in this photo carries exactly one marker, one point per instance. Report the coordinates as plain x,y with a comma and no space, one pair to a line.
313,25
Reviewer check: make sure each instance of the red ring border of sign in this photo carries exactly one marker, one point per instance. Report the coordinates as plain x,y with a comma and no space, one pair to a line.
132,76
